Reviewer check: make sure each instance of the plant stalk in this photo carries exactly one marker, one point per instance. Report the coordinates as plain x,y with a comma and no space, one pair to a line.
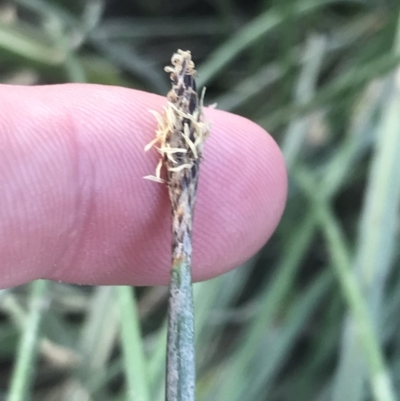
180,136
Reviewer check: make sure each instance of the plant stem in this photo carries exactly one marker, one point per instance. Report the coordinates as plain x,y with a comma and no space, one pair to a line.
180,383
181,133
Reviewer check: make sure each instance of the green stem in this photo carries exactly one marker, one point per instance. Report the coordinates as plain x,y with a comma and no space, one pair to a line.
181,375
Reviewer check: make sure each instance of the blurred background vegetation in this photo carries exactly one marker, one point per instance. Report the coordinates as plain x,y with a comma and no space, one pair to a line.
316,314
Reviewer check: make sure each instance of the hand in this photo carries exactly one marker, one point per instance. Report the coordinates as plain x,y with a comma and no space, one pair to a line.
74,205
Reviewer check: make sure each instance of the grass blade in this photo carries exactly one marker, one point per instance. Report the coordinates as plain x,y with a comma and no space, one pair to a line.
132,345
248,35
26,356
375,252
378,371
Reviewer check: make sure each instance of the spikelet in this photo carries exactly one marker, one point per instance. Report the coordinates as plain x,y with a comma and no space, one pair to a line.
181,128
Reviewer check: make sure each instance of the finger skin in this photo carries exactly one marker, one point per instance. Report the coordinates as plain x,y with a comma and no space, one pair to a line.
74,205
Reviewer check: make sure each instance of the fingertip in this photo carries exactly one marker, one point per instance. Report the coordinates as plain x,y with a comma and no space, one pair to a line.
76,207
244,173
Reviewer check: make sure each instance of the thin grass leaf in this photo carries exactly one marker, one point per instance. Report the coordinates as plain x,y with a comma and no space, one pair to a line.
96,343
357,142
356,77
92,14
23,373
272,296
271,356
129,59
253,31
214,296
30,44
241,93
249,87
73,66
375,252
47,9
132,346
122,29
324,345
304,92
378,371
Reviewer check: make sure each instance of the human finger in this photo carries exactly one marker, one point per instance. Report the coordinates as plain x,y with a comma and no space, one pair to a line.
75,206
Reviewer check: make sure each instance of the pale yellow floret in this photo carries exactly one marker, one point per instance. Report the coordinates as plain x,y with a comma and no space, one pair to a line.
173,150
202,130
182,113
154,178
157,177
164,127
157,116
158,169
170,158
151,144
170,115
179,168
190,143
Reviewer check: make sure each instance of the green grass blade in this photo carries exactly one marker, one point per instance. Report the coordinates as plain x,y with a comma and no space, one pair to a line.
357,142
357,76
378,371
375,252
271,358
274,293
29,44
304,92
214,296
96,343
26,356
253,31
132,345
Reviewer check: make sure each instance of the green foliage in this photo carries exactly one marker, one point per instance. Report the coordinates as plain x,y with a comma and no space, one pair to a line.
315,315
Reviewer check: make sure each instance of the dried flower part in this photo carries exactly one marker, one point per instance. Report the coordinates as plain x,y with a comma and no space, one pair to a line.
181,129
179,139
